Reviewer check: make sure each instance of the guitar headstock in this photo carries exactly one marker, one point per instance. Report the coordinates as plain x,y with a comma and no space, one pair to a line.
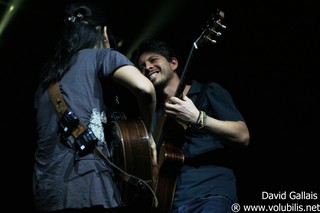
207,35
211,30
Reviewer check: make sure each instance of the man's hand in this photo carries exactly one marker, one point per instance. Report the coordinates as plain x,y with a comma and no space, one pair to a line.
182,109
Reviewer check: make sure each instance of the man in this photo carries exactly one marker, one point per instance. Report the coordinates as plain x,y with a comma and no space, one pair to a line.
211,124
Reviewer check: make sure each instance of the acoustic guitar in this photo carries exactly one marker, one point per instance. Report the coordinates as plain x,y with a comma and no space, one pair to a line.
170,134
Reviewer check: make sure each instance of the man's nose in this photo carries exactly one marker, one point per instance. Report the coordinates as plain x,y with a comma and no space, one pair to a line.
148,68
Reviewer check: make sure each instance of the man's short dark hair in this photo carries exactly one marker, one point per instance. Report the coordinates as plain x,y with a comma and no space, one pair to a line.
152,45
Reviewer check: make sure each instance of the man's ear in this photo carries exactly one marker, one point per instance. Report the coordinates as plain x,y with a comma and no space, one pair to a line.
174,63
105,35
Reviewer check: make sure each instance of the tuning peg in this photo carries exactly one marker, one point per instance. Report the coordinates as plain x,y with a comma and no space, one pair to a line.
216,32
211,40
221,25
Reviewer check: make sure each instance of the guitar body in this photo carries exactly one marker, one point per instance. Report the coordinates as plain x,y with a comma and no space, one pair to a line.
170,160
128,142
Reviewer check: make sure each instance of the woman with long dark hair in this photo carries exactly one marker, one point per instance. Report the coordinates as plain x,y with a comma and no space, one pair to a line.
63,180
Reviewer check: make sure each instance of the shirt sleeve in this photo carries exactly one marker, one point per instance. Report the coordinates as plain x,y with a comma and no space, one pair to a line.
222,103
109,60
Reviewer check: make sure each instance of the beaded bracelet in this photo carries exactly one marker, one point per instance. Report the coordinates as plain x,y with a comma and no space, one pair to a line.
202,120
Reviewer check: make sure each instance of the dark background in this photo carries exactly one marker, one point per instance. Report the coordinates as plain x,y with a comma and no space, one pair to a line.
266,58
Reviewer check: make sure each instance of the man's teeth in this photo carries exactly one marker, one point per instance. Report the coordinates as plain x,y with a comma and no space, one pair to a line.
151,77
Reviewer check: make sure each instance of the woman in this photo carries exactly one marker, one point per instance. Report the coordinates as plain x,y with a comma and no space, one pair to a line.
63,181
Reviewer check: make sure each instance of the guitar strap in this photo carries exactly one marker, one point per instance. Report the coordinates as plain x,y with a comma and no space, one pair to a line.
61,107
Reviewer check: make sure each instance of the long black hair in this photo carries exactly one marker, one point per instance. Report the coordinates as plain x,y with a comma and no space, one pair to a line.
82,27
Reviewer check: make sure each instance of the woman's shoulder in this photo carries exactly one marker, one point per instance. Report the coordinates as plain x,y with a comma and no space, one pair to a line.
95,51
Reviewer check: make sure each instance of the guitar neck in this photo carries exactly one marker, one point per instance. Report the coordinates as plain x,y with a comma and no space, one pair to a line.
183,76
207,35
163,120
